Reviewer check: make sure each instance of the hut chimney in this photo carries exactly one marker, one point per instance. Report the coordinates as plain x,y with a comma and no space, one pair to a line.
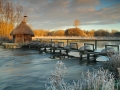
25,19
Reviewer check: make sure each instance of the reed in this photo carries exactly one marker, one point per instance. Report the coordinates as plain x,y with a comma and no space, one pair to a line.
97,80
113,64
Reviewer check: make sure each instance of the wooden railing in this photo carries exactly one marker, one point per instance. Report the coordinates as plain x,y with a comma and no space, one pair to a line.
67,39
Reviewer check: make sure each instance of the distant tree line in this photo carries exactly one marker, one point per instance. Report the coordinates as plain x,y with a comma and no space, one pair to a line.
78,32
106,33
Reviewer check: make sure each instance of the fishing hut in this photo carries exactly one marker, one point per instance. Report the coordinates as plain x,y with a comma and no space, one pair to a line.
22,33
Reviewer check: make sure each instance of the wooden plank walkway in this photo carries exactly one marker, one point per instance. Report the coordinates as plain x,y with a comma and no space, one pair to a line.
96,40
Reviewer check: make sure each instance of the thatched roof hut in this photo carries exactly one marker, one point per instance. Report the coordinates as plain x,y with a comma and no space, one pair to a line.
22,33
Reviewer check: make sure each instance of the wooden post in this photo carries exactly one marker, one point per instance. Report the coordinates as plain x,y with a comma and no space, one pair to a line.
80,57
118,49
95,56
95,44
51,40
39,48
67,42
53,50
88,58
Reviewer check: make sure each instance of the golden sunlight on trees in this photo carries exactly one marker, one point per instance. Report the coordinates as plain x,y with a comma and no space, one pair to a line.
10,15
51,33
48,33
41,32
38,32
58,33
74,32
5,29
76,23
89,33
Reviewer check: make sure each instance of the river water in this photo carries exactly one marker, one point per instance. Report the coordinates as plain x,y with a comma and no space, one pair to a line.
26,69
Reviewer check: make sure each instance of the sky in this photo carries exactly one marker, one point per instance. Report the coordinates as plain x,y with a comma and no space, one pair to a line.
60,14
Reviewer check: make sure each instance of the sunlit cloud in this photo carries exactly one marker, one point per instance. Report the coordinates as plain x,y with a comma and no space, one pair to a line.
49,14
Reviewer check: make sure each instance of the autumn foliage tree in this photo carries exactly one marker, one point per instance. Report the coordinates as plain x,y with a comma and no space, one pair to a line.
41,32
74,32
49,33
10,15
59,33
89,33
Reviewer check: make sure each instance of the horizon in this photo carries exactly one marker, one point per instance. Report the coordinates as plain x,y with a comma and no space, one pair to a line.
60,14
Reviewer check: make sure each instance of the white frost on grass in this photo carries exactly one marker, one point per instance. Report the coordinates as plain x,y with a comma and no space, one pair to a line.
97,80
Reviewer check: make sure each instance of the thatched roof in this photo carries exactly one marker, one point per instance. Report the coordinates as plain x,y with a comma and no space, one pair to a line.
23,28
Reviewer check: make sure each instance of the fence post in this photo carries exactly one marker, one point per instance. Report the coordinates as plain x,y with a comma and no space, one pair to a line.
95,44
67,42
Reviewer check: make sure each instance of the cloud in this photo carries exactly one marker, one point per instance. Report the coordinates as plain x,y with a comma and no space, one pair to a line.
84,3
109,15
61,13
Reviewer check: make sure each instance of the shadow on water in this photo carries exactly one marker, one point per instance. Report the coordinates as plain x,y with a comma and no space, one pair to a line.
25,54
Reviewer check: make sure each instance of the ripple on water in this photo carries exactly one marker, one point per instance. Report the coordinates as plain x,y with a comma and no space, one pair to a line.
28,70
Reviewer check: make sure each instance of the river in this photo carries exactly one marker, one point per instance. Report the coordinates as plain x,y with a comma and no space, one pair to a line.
26,69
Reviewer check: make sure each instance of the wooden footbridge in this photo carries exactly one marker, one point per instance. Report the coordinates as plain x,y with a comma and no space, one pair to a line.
57,47
81,39
60,50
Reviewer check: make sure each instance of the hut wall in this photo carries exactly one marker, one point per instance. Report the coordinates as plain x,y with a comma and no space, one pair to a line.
13,38
27,38
19,38
22,38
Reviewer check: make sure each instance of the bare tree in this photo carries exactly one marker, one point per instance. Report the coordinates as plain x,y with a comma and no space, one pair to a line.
10,16
76,23
1,17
